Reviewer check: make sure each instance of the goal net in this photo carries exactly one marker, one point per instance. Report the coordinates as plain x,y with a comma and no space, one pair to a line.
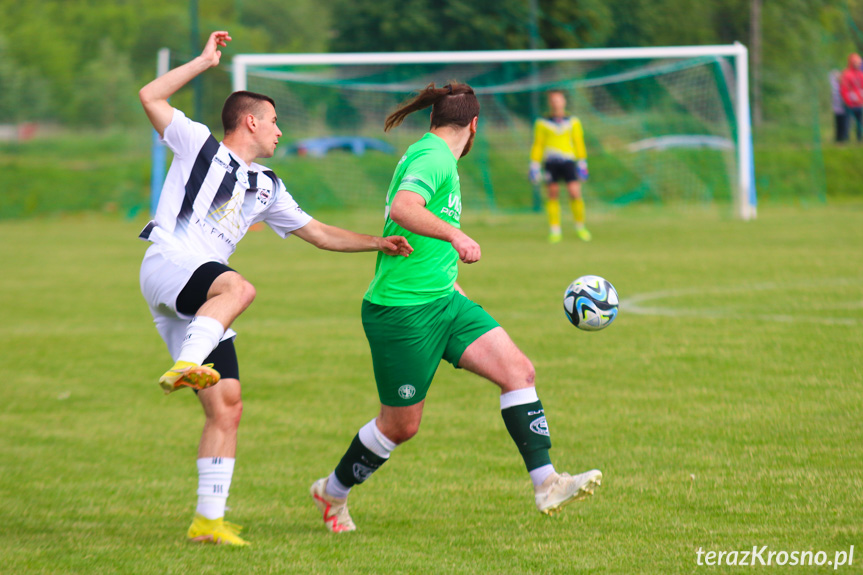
666,126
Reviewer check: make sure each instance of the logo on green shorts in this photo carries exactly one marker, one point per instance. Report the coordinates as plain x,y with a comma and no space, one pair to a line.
407,391
539,426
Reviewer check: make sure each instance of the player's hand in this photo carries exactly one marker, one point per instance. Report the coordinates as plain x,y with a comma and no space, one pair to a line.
211,52
535,173
581,170
468,250
395,246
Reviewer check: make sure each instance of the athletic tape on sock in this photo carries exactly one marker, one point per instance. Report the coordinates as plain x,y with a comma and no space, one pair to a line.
518,397
214,484
375,441
202,337
540,474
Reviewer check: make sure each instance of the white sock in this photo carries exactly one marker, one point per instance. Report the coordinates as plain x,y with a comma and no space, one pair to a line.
522,397
540,474
335,487
214,481
202,337
376,442
518,397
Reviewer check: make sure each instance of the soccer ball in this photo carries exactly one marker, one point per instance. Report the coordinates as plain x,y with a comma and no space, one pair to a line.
590,303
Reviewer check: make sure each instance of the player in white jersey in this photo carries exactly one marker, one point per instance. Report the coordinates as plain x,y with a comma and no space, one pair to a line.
213,193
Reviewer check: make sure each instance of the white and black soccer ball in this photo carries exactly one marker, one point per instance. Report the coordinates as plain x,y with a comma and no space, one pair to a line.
590,303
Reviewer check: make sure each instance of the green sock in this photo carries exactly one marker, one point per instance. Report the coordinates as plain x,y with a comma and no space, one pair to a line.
357,464
527,427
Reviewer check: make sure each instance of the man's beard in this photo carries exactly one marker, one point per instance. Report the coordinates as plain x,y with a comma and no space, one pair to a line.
468,145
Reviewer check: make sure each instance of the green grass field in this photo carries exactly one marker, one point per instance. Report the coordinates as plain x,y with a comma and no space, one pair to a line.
724,406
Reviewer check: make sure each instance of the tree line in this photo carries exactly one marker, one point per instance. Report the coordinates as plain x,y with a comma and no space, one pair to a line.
80,62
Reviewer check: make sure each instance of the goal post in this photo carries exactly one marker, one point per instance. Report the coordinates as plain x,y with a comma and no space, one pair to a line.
158,154
732,60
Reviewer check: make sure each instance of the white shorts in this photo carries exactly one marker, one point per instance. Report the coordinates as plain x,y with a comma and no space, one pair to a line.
164,274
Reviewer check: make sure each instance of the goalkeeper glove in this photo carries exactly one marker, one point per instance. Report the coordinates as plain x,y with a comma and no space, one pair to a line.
581,170
535,173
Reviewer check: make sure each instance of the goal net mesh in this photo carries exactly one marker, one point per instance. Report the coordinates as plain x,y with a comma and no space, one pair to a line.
660,131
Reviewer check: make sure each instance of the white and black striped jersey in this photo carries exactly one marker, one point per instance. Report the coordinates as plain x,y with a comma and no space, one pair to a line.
211,197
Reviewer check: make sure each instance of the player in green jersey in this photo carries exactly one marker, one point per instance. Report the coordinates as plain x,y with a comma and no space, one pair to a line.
415,314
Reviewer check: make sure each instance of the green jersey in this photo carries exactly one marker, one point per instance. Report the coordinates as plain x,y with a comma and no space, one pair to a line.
429,169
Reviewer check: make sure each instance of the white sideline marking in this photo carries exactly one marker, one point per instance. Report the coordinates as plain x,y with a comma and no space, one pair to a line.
635,303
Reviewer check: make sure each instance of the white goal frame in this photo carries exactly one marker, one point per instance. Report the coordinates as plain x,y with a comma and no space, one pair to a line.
745,197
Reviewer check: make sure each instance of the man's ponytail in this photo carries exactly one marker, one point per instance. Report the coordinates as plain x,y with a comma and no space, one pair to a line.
452,105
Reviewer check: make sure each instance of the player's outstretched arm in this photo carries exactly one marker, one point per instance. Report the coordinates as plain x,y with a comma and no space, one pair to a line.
154,96
335,239
536,153
409,211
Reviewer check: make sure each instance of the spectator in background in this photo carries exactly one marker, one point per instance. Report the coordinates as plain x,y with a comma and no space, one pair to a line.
839,116
851,88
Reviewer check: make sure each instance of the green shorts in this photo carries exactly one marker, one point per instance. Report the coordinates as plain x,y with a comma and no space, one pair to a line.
408,342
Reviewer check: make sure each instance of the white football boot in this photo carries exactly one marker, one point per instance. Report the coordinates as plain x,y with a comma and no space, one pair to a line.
335,511
560,489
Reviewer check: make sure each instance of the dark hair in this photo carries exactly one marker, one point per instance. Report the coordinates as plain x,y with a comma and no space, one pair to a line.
452,105
238,105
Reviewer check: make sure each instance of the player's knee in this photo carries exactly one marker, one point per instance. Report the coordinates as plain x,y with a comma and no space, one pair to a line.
229,415
246,293
524,373
243,293
239,289
236,413
227,411
404,432
400,431
234,407
521,374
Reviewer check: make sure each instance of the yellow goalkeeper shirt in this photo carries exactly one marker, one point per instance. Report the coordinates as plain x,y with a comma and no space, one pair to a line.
561,138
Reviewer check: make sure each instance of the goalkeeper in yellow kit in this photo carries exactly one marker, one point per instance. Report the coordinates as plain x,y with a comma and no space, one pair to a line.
558,153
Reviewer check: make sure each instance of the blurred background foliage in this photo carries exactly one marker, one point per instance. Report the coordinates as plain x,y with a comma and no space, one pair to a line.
80,62
74,67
